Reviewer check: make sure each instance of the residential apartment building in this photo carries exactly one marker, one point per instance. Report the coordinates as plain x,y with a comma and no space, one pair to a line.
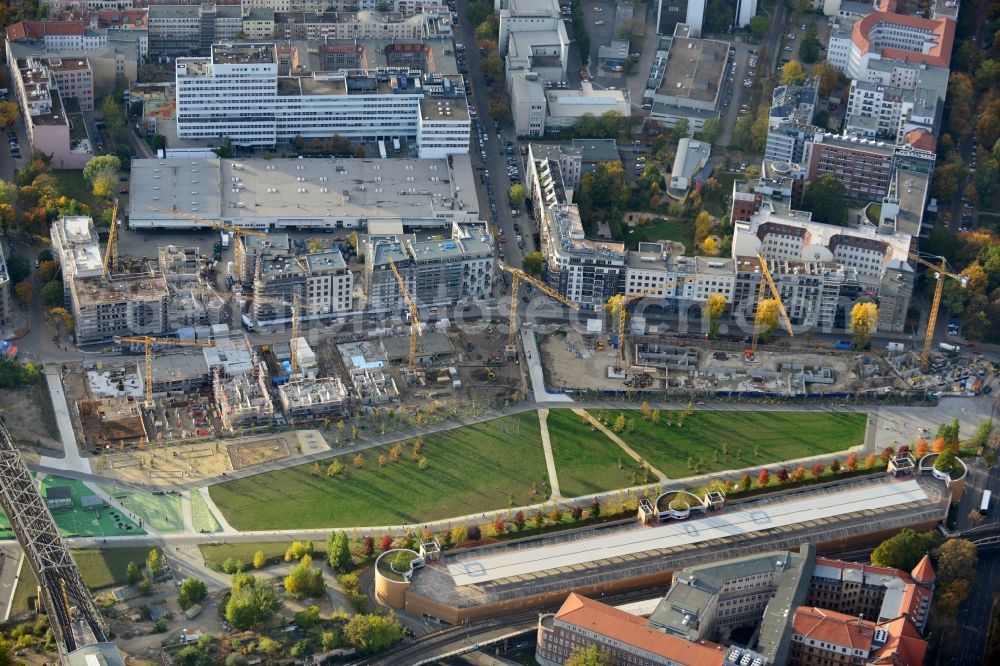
575,157
795,103
236,93
54,124
434,23
134,304
875,111
435,272
243,400
311,399
75,248
321,281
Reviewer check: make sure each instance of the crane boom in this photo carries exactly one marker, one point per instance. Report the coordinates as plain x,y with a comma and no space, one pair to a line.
111,249
148,342
414,315
519,277
940,273
777,295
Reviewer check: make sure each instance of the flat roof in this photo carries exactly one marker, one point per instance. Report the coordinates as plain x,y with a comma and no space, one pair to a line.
260,192
444,108
694,68
526,561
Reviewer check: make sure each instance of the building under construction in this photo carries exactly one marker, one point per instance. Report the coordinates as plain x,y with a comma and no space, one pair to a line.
112,422
305,399
243,400
122,305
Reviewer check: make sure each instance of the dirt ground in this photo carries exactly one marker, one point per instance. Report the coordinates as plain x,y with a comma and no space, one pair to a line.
29,417
167,465
572,361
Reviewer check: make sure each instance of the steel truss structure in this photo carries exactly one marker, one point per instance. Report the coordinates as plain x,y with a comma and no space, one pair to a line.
73,615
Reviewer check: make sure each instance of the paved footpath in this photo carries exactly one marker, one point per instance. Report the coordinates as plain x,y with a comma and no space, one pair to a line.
72,460
619,441
550,461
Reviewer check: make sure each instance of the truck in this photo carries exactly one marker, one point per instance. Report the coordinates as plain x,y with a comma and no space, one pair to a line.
844,344
895,346
945,347
224,237
381,150
395,145
247,322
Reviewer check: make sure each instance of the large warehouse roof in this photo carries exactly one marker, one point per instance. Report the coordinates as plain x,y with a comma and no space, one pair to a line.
260,193
506,564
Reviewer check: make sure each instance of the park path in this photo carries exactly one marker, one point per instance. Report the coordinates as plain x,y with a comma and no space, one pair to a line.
550,461
219,516
71,460
619,441
186,514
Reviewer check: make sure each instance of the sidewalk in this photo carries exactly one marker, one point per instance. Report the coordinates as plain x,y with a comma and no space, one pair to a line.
71,461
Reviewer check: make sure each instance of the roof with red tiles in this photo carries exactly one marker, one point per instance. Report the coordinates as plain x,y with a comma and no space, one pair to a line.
942,29
618,625
24,30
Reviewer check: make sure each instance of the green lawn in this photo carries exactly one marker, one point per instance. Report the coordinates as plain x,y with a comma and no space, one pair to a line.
106,567
586,460
161,512
79,521
217,553
24,598
723,440
478,468
73,185
715,200
202,518
659,229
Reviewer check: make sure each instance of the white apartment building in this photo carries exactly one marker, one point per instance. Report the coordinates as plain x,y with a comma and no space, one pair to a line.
366,24
321,281
895,37
875,111
527,103
236,93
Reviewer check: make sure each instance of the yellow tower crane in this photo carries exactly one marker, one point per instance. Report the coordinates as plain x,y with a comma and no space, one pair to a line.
520,276
111,249
940,273
622,302
239,252
148,342
766,282
414,315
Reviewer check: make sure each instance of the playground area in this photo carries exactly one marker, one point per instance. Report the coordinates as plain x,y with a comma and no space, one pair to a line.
75,519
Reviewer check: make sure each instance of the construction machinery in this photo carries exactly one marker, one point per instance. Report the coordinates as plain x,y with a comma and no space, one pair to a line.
518,276
111,249
239,252
766,282
940,273
414,315
149,342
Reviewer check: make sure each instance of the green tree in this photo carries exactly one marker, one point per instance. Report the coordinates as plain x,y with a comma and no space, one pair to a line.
304,580
864,319
792,73
373,633
154,562
533,263
759,25
132,574
809,46
826,198
516,195
956,560
828,75
338,552
904,550
590,656
308,618
191,591
18,268
252,603
492,67
682,128
259,560
52,294
711,130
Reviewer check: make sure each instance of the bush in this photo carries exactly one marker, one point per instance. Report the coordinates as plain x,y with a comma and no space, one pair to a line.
192,591
233,565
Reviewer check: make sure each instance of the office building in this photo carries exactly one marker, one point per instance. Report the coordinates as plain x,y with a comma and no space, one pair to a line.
821,637
576,157
885,35
865,167
527,103
670,13
236,94
433,23
186,29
